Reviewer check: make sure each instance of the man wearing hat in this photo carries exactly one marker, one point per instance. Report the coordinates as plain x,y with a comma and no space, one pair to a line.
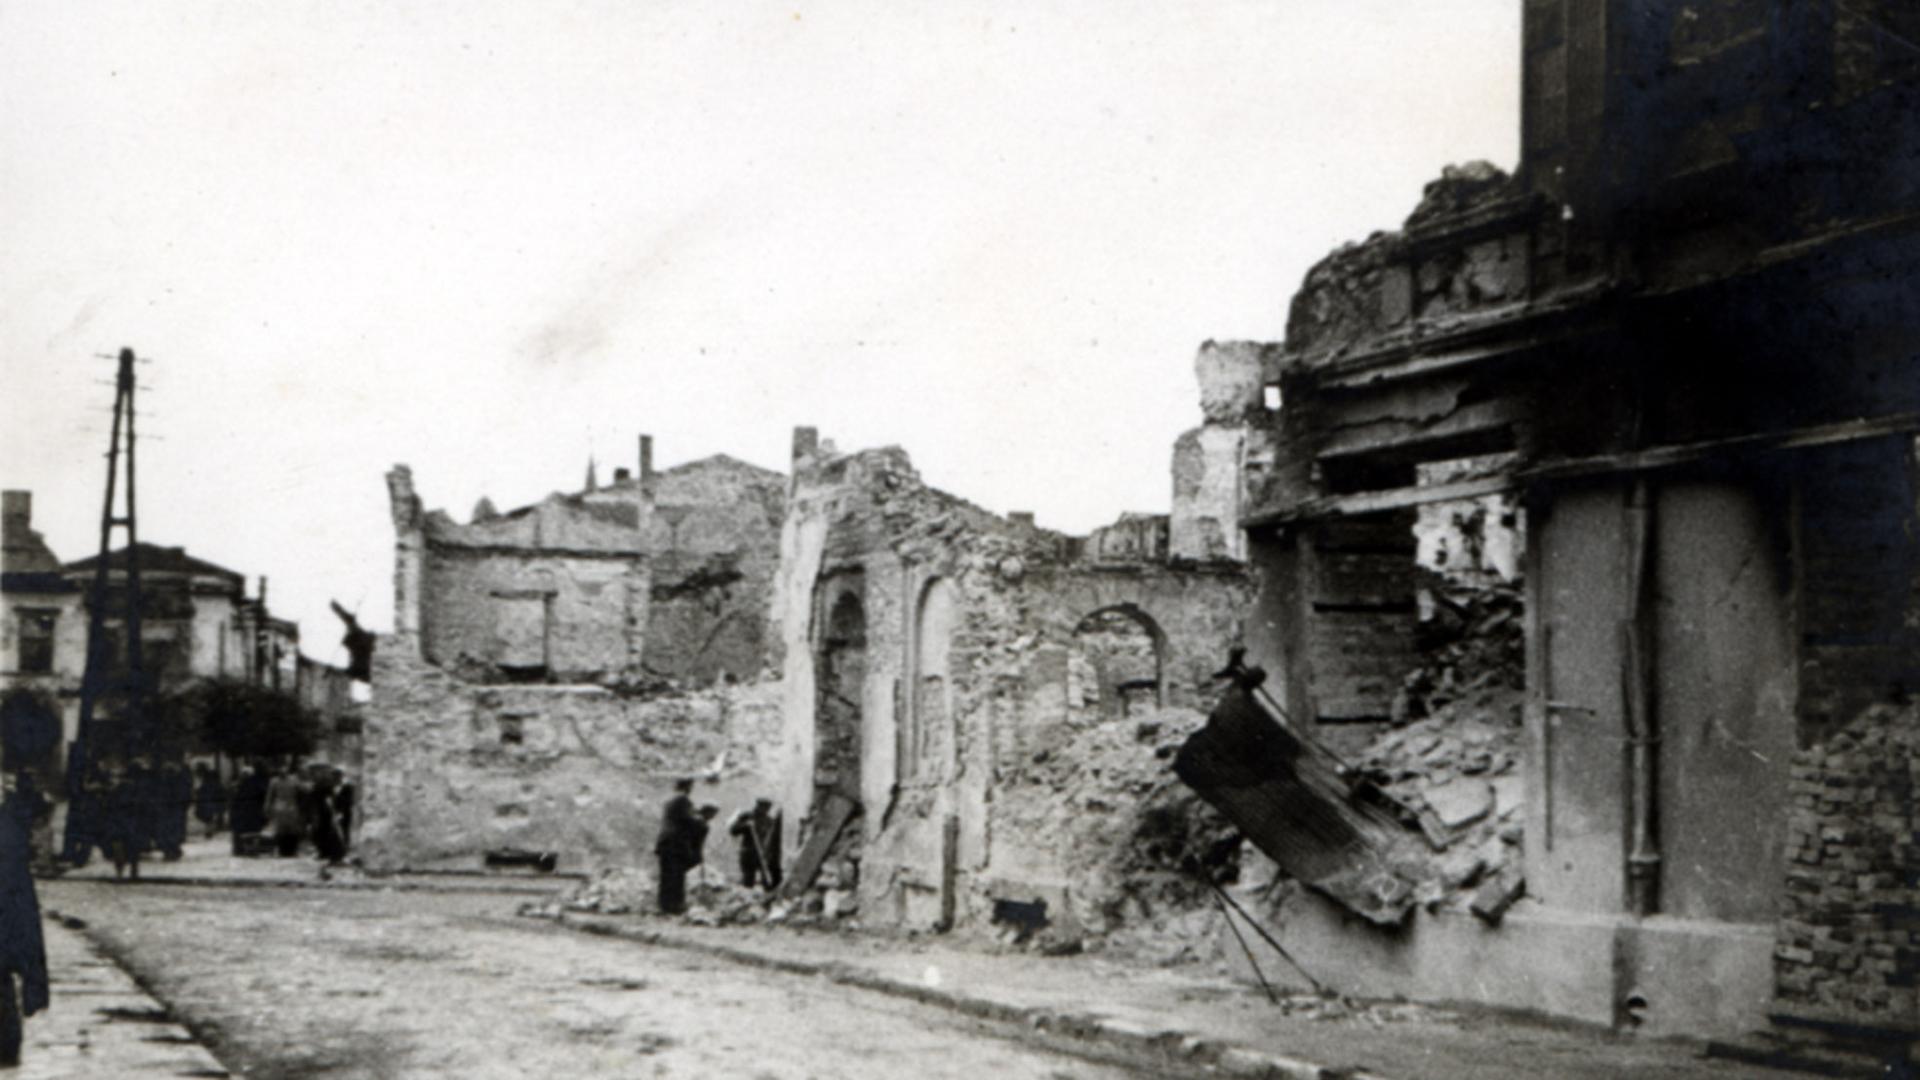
675,847
758,833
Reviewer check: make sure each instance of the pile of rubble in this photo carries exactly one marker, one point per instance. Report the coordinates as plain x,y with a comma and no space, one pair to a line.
1472,638
1453,757
618,891
1458,771
1129,835
711,901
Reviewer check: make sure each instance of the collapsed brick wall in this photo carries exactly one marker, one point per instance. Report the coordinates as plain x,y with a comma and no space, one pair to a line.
455,769
977,775
1848,945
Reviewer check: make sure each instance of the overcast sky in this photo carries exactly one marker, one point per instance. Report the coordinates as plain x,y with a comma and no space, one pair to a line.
488,239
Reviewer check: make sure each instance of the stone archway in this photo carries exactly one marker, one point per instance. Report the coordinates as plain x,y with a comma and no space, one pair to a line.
836,841
1116,665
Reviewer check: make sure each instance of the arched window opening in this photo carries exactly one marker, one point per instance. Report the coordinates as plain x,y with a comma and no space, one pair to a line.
1113,666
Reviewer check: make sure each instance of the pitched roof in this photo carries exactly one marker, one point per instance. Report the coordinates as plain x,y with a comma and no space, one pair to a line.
155,559
26,552
728,461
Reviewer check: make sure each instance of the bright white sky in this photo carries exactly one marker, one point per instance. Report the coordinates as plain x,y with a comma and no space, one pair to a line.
485,238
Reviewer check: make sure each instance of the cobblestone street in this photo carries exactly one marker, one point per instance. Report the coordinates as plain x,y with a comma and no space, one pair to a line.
315,983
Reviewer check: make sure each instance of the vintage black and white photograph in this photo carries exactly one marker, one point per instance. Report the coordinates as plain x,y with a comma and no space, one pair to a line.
1076,540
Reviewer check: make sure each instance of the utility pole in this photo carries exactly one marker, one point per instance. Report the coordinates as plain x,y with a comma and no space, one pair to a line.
124,692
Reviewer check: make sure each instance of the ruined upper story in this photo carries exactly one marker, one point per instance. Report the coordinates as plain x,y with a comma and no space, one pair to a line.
654,576
1708,237
552,591
1665,146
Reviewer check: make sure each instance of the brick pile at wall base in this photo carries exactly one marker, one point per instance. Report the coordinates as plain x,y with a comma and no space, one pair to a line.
455,769
1105,814
1849,939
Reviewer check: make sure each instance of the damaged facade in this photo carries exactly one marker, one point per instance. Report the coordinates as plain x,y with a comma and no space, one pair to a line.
978,711
1678,349
553,668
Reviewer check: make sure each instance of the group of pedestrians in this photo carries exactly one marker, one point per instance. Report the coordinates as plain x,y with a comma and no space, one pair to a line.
294,806
681,844
129,809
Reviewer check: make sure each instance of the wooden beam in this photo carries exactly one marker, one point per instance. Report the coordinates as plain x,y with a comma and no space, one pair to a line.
1666,457
1371,502
1662,457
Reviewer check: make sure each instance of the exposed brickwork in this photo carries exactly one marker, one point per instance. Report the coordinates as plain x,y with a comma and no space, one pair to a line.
1849,938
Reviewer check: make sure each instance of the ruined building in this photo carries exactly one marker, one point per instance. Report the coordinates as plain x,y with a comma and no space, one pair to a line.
957,711
972,703
1682,342
552,668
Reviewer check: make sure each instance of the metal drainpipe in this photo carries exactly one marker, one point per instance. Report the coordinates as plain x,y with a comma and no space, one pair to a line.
1642,721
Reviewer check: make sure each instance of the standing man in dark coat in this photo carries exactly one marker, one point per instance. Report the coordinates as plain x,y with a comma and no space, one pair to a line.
173,791
758,833
23,953
249,805
675,849
209,798
343,797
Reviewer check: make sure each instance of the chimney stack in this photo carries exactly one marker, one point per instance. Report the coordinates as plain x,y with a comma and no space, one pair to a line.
646,459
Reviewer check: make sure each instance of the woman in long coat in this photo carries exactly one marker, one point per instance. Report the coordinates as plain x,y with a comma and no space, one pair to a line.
23,954
286,814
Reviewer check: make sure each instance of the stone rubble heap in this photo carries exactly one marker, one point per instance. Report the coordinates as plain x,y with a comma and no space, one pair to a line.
1454,757
1458,770
1470,638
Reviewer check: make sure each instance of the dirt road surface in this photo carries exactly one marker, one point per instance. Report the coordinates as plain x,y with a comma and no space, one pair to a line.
305,983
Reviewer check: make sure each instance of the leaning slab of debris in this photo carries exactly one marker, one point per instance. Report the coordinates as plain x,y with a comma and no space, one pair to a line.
1295,801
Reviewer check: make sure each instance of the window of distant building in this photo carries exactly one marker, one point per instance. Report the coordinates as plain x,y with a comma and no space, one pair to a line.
36,641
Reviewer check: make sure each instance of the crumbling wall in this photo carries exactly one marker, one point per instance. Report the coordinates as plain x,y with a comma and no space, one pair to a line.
714,540
455,769
1219,467
971,625
571,617
1465,251
557,590
1848,944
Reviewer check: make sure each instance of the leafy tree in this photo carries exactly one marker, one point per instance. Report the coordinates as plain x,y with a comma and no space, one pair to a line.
240,719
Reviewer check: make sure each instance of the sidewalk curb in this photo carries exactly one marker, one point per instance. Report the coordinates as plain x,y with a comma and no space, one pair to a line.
288,883
1169,1044
205,1037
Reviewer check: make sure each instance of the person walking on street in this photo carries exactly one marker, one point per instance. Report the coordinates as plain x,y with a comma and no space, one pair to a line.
326,824
209,799
673,848
23,952
173,790
757,831
249,806
284,812
128,812
343,796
